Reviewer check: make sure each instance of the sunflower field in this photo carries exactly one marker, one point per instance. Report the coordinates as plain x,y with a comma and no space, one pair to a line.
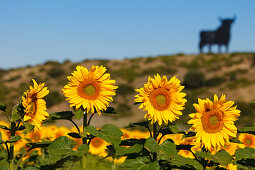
211,141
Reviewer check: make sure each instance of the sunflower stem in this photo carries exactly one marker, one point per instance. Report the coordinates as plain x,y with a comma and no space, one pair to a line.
11,158
155,137
75,126
84,139
90,118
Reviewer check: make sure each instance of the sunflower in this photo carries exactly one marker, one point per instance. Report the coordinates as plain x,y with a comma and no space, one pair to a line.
248,140
214,122
91,90
98,147
35,105
162,99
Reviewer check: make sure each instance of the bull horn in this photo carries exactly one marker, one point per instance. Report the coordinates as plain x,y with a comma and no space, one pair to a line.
234,17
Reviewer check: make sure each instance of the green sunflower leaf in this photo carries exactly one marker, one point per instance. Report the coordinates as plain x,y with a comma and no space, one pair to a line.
124,150
110,134
60,148
74,135
250,130
15,114
141,163
4,127
14,139
139,124
67,115
178,161
152,145
82,149
43,144
245,153
78,113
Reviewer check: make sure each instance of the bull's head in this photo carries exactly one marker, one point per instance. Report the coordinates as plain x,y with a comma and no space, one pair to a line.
227,21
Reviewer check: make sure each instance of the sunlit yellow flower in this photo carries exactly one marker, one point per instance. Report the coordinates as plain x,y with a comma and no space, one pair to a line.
231,148
214,122
90,89
248,140
34,104
177,138
5,135
98,147
162,99
231,167
187,153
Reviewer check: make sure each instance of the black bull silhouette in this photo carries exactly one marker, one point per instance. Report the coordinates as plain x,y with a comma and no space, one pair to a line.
220,36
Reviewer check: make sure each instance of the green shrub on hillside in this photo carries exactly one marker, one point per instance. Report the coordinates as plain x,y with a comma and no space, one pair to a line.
124,110
239,83
53,98
194,79
54,63
215,81
16,77
3,91
159,70
248,112
124,89
168,60
150,60
56,71
125,73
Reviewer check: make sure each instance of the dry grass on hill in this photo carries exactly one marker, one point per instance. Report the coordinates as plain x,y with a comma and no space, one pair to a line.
203,75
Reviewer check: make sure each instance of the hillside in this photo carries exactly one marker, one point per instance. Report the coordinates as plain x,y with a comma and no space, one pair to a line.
203,75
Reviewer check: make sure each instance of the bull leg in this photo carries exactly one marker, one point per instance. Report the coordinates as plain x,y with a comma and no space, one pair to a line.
219,47
210,49
226,48
200,48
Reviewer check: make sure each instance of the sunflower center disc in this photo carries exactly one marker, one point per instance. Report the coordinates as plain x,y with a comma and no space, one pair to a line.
89,90
97,142
213,120
161,99
248,142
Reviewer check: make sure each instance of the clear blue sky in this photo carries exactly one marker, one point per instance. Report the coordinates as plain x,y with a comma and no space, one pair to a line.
34,31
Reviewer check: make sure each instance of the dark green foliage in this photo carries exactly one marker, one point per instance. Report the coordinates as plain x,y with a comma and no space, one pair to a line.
194,79
168,60
247,112
239,83
215,81
159,70
53,63
56,71
124,89
135,60
150,60
31,74
233,74
125,73
3,91
66,61
53,98
14,78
